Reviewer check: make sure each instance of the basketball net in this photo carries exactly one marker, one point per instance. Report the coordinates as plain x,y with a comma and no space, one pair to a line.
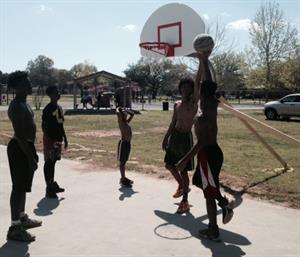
156,64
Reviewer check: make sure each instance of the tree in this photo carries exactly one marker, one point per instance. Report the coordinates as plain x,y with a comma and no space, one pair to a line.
286,75
273,39
83,69
41,71
229,69
41,74
164,81
63,78
218,32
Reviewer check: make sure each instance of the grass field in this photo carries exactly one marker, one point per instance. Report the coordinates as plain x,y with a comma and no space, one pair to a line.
94,139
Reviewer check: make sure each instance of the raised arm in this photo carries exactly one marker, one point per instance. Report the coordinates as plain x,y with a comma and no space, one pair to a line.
206,71
199,77
131,114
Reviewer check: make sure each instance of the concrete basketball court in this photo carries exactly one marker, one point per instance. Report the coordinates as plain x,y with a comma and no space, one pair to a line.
95,217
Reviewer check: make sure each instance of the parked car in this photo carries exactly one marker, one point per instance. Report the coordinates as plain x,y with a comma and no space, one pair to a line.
286,107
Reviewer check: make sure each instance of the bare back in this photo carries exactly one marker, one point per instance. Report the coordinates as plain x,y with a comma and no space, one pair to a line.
126,132
206,127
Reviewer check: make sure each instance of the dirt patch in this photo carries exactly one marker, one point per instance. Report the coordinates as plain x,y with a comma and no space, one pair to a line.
102,133
157,129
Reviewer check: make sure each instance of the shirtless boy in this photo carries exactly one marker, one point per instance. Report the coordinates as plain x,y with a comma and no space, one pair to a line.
124,146
178,140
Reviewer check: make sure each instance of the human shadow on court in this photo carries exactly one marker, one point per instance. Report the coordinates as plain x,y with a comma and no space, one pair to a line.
14,249
46,205
238,194
227,247
126,192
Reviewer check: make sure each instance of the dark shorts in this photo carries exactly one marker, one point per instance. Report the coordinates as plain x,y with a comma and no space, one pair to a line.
21,175
179,145
52,149
123,151
206,176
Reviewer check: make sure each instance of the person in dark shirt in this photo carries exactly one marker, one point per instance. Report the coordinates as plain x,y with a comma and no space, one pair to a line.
22,157
54,135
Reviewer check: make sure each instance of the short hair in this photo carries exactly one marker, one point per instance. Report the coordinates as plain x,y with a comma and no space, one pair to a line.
186,80
51,89
208,88
15,78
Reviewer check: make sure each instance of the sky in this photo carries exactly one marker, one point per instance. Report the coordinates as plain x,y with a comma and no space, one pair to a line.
106,33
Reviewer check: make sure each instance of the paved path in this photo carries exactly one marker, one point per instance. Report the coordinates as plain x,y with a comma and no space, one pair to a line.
95,217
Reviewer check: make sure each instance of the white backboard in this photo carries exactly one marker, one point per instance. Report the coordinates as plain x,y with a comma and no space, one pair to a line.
175,24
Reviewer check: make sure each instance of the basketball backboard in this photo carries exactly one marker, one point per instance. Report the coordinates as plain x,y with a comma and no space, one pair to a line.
175,24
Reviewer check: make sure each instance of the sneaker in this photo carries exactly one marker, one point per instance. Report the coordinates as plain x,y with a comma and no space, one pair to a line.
125,182
57,188
18,233
184,207
28,223
179,192
51,194
210,233
227,214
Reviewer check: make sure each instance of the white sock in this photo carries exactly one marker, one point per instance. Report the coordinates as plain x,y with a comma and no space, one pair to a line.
15,222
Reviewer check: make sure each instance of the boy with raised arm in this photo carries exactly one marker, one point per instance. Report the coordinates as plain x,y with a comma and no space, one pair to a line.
22,157
124,145
53,136
209,155
179,139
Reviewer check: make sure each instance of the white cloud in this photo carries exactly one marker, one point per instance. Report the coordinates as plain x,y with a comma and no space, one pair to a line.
44,9
205,16
129,27
243,24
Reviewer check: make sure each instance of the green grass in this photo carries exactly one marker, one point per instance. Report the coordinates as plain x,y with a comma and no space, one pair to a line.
246,160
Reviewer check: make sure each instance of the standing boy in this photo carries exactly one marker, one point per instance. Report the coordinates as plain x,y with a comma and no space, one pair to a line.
179,139
54,135
124,146
210,156
22,157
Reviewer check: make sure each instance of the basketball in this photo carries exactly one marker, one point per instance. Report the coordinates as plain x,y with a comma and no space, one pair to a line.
203,42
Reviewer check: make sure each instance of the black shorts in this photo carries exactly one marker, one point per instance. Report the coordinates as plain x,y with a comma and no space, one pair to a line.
180,144
21,175
124,148
206,176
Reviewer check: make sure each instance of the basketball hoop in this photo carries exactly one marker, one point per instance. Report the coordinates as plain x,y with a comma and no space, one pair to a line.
156,63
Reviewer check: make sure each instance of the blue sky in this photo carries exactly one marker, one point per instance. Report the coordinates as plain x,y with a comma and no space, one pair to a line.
105,33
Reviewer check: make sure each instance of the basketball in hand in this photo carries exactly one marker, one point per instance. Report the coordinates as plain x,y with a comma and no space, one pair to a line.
203,42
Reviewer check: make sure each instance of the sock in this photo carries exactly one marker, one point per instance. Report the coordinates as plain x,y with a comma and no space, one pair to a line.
15,222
